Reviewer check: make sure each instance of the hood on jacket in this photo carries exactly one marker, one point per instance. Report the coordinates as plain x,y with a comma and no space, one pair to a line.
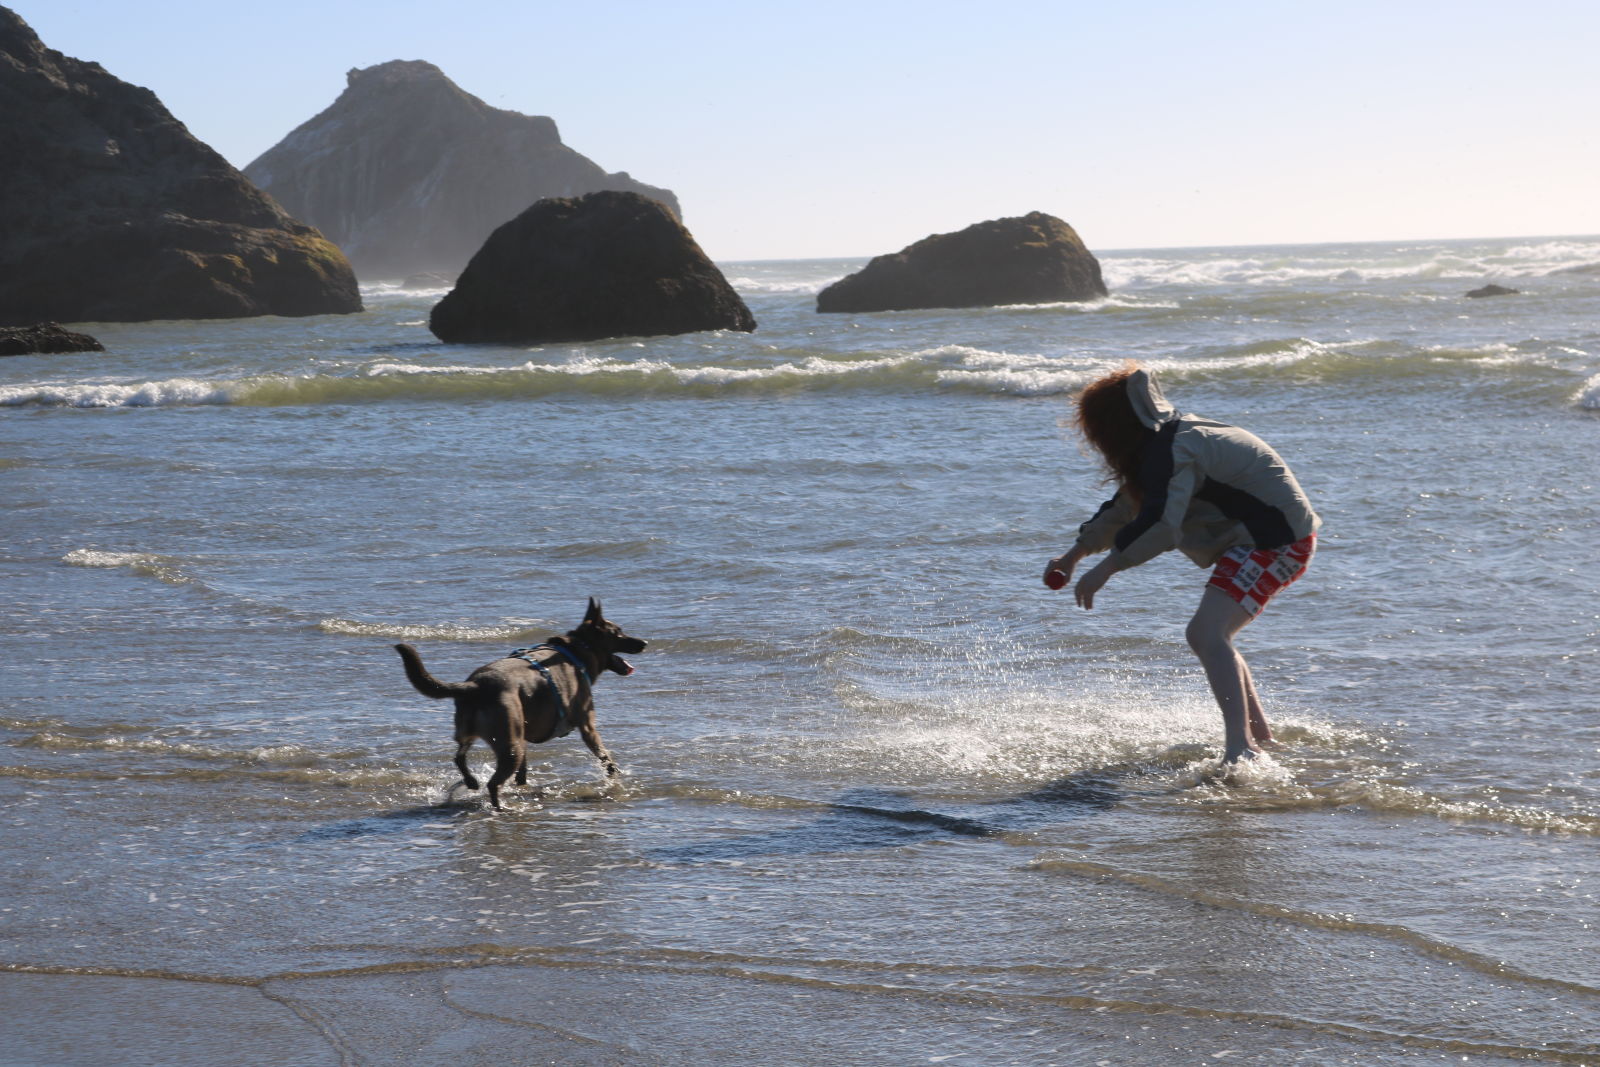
1148,404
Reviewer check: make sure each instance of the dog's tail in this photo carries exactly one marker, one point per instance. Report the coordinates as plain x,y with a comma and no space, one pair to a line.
425,683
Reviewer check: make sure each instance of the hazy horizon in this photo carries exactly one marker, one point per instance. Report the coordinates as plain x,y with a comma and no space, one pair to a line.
864,128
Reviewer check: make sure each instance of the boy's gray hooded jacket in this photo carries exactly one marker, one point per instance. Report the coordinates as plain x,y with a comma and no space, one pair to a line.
1206,487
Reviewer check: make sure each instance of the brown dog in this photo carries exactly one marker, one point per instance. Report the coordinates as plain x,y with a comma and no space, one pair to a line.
531,696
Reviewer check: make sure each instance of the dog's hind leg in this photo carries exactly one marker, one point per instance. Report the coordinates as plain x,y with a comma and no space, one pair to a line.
522,768
502,771
467,777
510,755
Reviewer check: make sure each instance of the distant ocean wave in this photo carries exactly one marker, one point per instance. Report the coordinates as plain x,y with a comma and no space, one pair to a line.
937,367
1256,266
1289,265
783,286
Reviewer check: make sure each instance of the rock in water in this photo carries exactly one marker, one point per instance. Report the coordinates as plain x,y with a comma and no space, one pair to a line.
114,212
1492,290
587,268
1035,259
408,173
44,337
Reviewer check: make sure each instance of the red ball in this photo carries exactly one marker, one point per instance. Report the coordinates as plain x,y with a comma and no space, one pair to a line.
1055,579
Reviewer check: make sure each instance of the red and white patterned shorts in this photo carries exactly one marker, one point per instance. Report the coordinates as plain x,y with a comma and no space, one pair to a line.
1253,576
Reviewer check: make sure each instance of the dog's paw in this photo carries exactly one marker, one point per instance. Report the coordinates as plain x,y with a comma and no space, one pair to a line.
470,782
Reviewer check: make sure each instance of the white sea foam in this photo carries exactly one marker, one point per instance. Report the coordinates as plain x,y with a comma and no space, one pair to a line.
802,286
1143,271
1324,357
1042,375
168,393
1498,354
382,380
1025,735
145,563
1121,301
1114,302
90,557
1421,262
1291,353
949,366
793,277
1556,255
1018,381
702,374
638,368
381,292
1026,374
966,354
511,631
379,370
812,367
1588,395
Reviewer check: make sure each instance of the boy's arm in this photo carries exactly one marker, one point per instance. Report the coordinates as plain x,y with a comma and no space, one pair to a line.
1099,533
1096,535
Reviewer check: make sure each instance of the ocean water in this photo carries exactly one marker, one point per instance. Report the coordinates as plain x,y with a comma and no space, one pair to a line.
886,799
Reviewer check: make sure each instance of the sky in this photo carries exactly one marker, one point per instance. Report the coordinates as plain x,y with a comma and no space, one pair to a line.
848,129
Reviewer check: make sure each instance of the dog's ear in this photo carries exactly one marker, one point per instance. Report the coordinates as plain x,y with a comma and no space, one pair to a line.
594,614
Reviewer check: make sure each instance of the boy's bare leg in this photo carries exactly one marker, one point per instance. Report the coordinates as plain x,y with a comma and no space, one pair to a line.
1210,635
1260,730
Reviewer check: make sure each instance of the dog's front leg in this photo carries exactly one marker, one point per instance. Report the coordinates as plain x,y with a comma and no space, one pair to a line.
591,737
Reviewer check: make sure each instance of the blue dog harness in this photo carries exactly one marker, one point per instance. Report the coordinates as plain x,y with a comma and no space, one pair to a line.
563,721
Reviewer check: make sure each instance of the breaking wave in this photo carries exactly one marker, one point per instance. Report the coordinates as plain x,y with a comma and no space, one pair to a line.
173,392
941,367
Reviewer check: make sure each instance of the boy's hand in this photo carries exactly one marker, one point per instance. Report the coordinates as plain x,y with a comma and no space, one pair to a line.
1058,572
1092,580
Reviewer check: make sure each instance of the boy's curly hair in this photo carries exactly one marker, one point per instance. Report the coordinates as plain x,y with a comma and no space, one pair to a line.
1106,419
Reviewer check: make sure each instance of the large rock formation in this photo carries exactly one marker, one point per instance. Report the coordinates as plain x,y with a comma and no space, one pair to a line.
44,337
112,211
586,268
1035,259
408,173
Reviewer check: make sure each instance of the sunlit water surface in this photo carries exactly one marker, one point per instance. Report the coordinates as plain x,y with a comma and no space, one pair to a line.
886,798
